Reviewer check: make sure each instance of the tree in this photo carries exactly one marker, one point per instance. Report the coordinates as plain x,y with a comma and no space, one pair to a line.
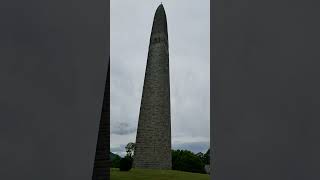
115,160
206,157
125,163
185,160
130,147
201,156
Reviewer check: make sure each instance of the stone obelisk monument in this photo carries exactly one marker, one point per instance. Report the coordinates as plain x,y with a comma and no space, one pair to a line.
153,140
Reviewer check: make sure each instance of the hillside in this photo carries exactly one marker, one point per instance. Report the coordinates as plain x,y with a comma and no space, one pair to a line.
113,156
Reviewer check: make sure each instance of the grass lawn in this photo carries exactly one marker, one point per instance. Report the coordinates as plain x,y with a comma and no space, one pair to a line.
150,174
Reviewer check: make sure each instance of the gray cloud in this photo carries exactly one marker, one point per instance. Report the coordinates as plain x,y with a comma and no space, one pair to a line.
189,32
122,129
118,149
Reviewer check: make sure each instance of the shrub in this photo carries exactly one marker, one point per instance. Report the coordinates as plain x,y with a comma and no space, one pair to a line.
115,160
115,163
125,164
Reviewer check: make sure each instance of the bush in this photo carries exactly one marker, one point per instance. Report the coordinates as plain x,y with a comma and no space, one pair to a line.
115,163
115,160
184,160
125,164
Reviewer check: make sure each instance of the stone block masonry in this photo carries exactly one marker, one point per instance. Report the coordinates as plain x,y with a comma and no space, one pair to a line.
153,140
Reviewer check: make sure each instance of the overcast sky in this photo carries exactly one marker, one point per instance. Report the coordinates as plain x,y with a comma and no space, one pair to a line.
189,56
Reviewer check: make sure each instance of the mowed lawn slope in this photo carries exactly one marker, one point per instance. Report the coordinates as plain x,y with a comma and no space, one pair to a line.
148,174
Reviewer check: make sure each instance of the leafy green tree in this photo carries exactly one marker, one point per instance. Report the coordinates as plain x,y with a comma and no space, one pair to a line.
201,156
206,157
115,160
125,163
130,147
185,160
115,163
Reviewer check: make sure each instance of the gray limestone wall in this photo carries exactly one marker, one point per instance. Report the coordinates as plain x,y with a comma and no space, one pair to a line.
153,141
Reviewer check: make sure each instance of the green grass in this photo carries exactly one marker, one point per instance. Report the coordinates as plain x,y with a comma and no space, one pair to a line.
151,174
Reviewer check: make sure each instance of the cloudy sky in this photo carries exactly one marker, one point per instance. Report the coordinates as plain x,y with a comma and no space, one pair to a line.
189,56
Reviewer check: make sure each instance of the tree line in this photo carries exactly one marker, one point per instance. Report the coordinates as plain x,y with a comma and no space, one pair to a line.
182,160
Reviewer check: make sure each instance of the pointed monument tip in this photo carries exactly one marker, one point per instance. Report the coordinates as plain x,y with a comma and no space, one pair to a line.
160,19
160,6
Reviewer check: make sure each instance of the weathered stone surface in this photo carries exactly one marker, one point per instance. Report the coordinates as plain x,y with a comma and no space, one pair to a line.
153,141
